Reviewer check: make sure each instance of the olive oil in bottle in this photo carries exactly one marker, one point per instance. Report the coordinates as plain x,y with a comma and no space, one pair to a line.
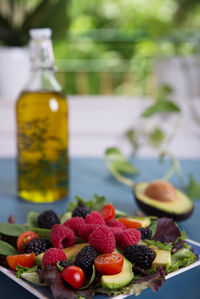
42,128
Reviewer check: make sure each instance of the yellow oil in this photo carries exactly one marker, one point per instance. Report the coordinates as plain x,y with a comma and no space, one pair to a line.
42,141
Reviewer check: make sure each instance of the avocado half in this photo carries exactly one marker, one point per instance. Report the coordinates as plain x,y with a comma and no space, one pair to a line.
179,209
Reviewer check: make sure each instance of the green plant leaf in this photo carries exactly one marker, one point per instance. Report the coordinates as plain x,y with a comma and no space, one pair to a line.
193,188
182,258
65,216
51,14
95,203
12,229
32,218
20,270
164,92
118,162
159,245
156,137
7,249
160,107
44,233
132,137
118,165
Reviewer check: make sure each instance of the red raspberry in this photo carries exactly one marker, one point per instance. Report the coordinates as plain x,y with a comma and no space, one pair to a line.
115,223
128,237
85,230
52,256
102,239
62,236
75,223
115,229
95,218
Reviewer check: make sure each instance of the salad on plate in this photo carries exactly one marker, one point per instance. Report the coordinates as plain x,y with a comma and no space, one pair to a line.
94,248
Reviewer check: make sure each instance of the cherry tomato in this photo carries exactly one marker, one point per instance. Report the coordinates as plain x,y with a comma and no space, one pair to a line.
25,238
108,211
24,260
109,263
129,223
74,275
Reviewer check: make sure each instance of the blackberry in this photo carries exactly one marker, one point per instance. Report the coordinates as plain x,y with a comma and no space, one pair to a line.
145,233
85,259
140,255
47,219
36,245
81,210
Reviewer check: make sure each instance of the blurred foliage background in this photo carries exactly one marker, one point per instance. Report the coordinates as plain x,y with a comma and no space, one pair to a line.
106,46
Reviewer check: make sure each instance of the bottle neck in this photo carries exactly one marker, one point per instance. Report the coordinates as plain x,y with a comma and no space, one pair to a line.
42,66
41,54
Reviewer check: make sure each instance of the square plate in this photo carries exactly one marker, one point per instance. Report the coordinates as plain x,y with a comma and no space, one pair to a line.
45,293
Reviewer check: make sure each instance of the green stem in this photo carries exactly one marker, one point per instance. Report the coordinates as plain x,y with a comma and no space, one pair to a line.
175,167
121,178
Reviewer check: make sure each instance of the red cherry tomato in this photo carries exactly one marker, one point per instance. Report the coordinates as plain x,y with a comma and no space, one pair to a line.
25,238
129,223
74,275
24,260
109,263
108,211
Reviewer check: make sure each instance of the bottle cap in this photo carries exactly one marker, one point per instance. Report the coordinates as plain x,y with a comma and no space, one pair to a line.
39,33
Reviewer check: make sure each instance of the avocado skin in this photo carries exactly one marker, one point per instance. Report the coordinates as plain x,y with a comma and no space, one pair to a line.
152,211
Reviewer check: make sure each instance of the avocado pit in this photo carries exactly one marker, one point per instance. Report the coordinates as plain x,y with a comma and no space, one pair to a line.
161,190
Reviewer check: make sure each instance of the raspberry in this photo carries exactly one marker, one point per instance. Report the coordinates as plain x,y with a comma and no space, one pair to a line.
85,231
37,245
115,229
75,223
52,256
115,223
47,219
128,237
62,236
140,255
85,259
95,218
102,239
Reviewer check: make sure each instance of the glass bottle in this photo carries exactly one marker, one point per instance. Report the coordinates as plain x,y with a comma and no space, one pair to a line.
42,127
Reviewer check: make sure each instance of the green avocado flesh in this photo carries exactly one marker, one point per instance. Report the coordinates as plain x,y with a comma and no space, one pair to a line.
179,209
117,281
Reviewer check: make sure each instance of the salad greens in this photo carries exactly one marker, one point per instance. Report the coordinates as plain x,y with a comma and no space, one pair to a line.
95,203
166,236
7,249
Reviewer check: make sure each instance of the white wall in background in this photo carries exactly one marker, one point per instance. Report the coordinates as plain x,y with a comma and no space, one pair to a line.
98,122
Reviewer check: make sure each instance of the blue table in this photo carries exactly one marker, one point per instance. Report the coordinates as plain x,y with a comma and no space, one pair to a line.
89,176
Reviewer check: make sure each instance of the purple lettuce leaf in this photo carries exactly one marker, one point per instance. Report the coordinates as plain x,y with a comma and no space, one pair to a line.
178,245
52,276
166,231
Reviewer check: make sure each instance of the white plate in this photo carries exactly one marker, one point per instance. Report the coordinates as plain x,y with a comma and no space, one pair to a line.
38,291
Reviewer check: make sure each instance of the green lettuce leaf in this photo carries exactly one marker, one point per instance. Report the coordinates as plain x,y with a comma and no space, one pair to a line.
20,270
95,203
7,249
32,218
182,258
159,245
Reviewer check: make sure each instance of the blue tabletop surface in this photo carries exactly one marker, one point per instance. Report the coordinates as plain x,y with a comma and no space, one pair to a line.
89,176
